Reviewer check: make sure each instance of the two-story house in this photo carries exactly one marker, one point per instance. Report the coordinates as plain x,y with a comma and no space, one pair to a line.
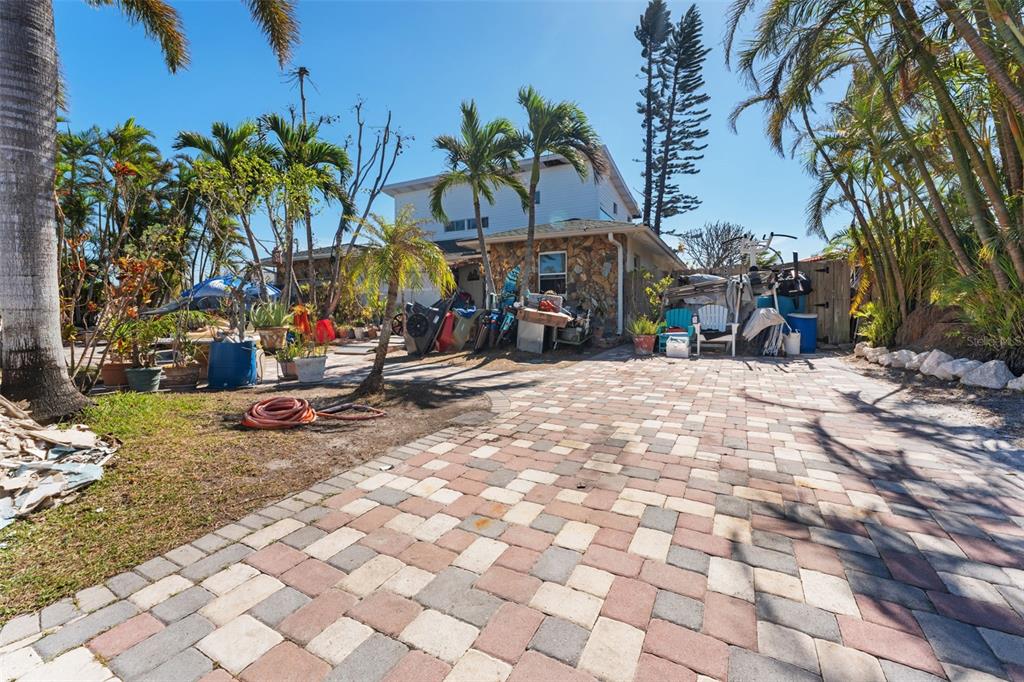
586,246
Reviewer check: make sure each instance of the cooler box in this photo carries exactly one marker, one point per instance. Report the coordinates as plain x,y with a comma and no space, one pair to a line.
807,325
677,345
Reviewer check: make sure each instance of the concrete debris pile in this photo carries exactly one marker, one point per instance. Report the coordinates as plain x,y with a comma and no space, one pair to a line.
41,466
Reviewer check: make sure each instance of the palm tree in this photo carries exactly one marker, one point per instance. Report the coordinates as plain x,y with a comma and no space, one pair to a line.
484,158
33,361
554,128
299,145
225,145
398,255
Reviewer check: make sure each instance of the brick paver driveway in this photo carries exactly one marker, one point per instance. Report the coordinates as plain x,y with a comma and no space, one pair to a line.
621,520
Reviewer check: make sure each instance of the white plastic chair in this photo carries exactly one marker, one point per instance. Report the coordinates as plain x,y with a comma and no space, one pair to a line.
715,318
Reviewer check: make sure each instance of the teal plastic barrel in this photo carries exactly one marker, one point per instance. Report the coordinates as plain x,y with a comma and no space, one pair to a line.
807,325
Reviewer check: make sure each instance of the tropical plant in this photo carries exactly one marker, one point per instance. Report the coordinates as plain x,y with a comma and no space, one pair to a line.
554,128
33,358
398,256
641,325
269,315
483,157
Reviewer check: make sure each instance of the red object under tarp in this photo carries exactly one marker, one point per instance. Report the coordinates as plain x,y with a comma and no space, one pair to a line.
325,331
446,338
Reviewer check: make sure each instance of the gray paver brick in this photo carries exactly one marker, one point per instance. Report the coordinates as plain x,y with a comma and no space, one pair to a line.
555,564
765,558
388,496
314,513
188,666
840,540
279,606
475,607
303,537
678,609
448,587
659,519
204,568
690,559
255,521
807,619
157,568
161,647
370,661
746,666
894,672
560,639
958,643
890,539
19,628
548,523
182,604
854,561
58,613
772,541
732,506
188,554
352,557
211,542
124,584
1007,647
84,629
888,590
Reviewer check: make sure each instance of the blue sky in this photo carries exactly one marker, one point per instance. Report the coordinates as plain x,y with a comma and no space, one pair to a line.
420,59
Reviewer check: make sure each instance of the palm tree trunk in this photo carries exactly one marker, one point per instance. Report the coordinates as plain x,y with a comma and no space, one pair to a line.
258,269
310,271
34,366
531,227
289,260
374,381
482,244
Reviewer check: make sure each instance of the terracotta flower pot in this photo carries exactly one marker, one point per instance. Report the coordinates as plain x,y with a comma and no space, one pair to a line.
113,374
287,371
273,338
181,377
644,345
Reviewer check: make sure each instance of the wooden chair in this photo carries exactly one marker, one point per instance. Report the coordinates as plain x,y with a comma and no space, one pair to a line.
713,327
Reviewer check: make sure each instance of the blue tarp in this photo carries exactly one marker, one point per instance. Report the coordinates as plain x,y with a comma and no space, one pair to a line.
221,286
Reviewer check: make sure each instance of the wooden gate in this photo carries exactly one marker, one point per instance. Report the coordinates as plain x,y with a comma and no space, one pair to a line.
830,299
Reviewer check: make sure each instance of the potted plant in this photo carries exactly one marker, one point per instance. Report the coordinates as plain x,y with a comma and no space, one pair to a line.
185,370
143,376
271,322
112,371
359,329
233,364
286,361
311,363
644,331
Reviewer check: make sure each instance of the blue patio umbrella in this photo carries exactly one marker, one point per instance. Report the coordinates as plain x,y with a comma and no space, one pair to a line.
222,286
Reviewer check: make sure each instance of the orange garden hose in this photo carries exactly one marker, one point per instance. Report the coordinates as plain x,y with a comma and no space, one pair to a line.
284,412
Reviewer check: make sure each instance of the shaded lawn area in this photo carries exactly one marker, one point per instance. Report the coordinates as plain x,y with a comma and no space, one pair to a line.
187,468
506,359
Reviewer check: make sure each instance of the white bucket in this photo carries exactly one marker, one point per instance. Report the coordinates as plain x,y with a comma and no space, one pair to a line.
791,343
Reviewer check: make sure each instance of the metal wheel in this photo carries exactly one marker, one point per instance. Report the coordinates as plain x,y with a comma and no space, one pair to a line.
398,324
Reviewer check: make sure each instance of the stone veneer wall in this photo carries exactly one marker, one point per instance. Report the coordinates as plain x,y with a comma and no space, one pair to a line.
591,270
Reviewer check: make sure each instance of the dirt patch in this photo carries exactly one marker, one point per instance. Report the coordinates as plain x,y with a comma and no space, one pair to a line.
187,467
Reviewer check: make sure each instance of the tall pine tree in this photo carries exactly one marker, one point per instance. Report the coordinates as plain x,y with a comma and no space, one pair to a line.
682,113
652,32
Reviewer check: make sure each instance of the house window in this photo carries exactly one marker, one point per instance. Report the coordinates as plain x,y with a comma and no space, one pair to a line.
551,271
467,224
615,208
536,198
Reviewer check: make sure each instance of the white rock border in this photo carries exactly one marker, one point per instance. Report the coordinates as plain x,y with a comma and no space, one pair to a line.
994,374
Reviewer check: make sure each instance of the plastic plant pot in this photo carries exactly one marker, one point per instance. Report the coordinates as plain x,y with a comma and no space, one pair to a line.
311,370
143,379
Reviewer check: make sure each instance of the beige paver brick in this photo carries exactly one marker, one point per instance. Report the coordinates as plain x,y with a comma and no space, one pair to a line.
440,636
572,605
371,575
828,592
612,651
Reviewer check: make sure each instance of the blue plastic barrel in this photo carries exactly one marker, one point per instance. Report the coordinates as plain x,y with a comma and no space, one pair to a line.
807,325
787,304
232,364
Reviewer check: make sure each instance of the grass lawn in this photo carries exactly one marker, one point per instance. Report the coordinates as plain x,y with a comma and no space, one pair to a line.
186,468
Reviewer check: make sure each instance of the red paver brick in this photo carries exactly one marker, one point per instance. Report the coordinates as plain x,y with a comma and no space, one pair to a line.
630,601
467,487
541,493
311,619
977,612
613,561
691,649
427,556
678,580
420,507
341,499
387,541
508,584
457,540
333,521
518,558
700,524
566,510
616,539
730,620
535,667
987,552
894,645
913,569
420,667
275,559
650,668
819,558
600,499
463,507
385,612
790,529
509,631
491,509
374,519
607,519
888,614
124,636
705,542
530,538
312,577
286,663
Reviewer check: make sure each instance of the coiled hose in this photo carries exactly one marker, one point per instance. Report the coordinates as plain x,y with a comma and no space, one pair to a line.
285,412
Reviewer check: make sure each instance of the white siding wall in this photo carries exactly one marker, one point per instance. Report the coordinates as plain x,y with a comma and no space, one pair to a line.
562,196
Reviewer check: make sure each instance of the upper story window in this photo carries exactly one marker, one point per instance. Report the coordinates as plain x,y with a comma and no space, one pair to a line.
551,271
536,198
465,224
615,208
